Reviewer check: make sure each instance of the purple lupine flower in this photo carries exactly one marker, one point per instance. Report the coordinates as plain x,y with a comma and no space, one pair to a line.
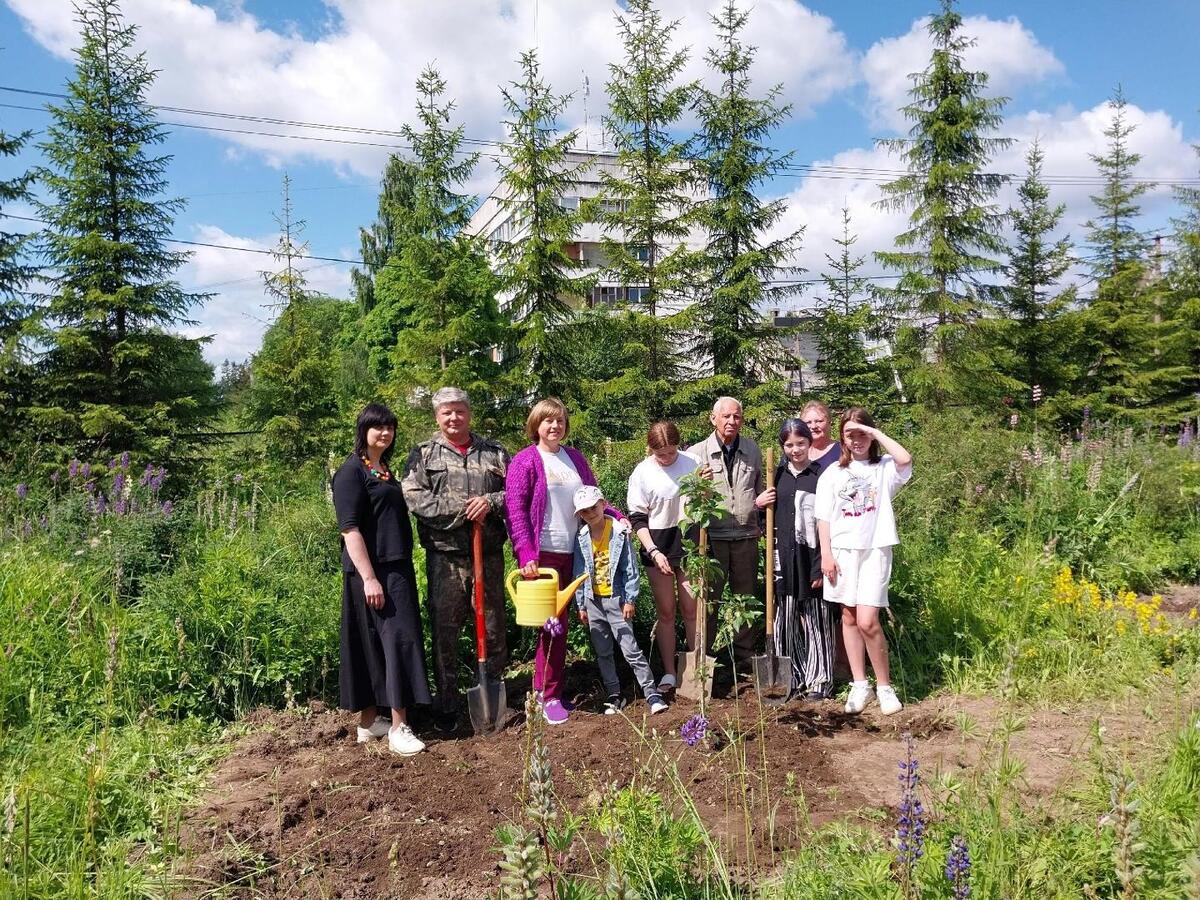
90,487
238,478
958,868
22,491
112,463
167,507
101,506
85,471
120,507
910,825
125,460
118,487
693,730
55,476
44,523
1185,436
553,627
73,469
27,528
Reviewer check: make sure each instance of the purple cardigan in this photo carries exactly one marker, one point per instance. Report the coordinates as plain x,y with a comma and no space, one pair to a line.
525,499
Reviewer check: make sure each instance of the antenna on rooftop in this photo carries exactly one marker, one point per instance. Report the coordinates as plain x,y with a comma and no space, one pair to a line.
587,92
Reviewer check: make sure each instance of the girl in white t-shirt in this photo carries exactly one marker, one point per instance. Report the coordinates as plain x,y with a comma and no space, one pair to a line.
857,530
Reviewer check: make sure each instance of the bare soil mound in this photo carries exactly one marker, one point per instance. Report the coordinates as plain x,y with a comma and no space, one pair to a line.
299,809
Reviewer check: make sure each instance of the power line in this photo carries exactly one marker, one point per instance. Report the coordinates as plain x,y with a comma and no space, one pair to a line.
811,170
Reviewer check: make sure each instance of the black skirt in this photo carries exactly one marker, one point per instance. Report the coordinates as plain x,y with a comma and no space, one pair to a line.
383,662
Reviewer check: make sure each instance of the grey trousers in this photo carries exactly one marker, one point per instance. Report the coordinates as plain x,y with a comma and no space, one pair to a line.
608,627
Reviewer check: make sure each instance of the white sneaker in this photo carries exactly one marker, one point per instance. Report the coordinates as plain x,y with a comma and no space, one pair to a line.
859,698
889,703
376,730
402,740
657,704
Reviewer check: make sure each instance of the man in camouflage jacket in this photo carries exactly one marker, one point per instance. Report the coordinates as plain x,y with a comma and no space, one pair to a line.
451,481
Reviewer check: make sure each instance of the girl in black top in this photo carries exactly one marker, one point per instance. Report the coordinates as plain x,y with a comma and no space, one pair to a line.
382,661
806,627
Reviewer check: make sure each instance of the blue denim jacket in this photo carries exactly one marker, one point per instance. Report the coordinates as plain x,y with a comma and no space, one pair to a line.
625,571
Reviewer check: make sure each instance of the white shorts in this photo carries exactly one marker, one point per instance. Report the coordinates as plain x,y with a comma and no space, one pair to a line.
864,577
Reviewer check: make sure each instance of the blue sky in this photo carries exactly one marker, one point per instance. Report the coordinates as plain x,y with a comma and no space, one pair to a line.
352,62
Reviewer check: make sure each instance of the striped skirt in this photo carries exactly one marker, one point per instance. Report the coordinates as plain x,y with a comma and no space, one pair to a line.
806,630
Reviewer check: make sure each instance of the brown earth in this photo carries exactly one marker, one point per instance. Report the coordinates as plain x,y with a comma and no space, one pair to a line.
298,809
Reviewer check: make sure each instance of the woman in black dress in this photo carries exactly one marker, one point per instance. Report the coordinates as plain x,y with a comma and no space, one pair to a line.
382,660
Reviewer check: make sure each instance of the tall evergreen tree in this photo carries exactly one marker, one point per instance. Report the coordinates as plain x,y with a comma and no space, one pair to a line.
1037,339
291,399
15,308
397,192
1113,235
538,275
647,200
438,279
745,270
112,375
955,225
845,321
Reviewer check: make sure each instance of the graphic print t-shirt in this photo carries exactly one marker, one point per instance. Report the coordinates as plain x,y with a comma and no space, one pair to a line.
602,562
857,503
562,481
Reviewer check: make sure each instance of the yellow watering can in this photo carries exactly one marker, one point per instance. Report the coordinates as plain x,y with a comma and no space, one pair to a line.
537,599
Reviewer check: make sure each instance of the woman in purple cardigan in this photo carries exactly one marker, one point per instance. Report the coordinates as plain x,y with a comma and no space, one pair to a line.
539,493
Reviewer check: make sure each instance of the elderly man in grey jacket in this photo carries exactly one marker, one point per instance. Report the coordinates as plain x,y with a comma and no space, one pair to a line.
452,481
735,464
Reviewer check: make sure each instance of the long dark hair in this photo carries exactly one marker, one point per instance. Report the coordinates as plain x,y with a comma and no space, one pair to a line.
794,426
374,415
862,417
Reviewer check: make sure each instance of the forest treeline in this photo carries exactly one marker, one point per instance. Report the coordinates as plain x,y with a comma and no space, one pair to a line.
981,312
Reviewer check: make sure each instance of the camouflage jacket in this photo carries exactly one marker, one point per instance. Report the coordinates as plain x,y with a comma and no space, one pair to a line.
437,482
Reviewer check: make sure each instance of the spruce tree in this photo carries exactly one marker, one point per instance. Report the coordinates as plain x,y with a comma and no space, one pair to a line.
291,399
1120,327
744,269
541,281
646,201
1112,235
1038,340
955,225
15,307
378,243
845,321
113,376
439,281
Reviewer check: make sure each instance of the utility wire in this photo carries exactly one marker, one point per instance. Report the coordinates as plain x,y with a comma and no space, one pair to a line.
812,170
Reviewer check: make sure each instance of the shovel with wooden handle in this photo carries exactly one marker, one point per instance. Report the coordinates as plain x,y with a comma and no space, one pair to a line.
694,667
773,676
487,702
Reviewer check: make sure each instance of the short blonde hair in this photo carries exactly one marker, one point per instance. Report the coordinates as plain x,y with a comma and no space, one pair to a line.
544,409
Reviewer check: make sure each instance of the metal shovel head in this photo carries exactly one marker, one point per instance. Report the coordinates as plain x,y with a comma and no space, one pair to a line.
487,704
692,684
773,678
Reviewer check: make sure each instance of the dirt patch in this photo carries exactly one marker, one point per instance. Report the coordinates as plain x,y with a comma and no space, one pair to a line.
299,809
1181,599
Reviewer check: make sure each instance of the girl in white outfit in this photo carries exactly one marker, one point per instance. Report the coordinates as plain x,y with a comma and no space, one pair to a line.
857,530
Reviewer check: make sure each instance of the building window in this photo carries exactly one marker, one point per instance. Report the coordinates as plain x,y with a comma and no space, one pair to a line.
607,294
637,294
568,202
640,252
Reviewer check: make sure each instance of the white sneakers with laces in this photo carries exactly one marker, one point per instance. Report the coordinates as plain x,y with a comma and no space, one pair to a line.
376,730
401,740
860,696
889,703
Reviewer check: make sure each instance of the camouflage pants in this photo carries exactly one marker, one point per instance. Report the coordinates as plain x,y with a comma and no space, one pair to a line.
451,592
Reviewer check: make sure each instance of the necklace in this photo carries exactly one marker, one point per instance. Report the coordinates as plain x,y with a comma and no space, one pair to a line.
381,474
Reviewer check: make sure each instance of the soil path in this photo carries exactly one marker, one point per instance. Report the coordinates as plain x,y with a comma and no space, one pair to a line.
298,809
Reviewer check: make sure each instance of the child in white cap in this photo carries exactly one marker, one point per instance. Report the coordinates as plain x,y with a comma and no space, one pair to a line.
606,598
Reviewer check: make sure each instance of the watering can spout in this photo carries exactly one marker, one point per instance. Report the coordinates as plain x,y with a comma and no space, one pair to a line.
565,595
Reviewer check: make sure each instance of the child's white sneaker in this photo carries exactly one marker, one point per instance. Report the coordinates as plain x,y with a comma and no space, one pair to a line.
375,731
889,703
401,740
657,704
860,696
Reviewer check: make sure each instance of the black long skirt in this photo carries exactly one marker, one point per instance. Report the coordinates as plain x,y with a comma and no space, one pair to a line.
383,661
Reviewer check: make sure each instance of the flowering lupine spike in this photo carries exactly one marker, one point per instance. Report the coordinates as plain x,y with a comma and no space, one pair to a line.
958,868
22,491
694,730
911,822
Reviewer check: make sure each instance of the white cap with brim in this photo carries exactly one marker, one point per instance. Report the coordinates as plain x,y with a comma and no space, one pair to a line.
587,496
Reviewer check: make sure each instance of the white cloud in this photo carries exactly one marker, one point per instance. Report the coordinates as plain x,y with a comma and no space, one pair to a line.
1005,49
360,70
1067,138
237,314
